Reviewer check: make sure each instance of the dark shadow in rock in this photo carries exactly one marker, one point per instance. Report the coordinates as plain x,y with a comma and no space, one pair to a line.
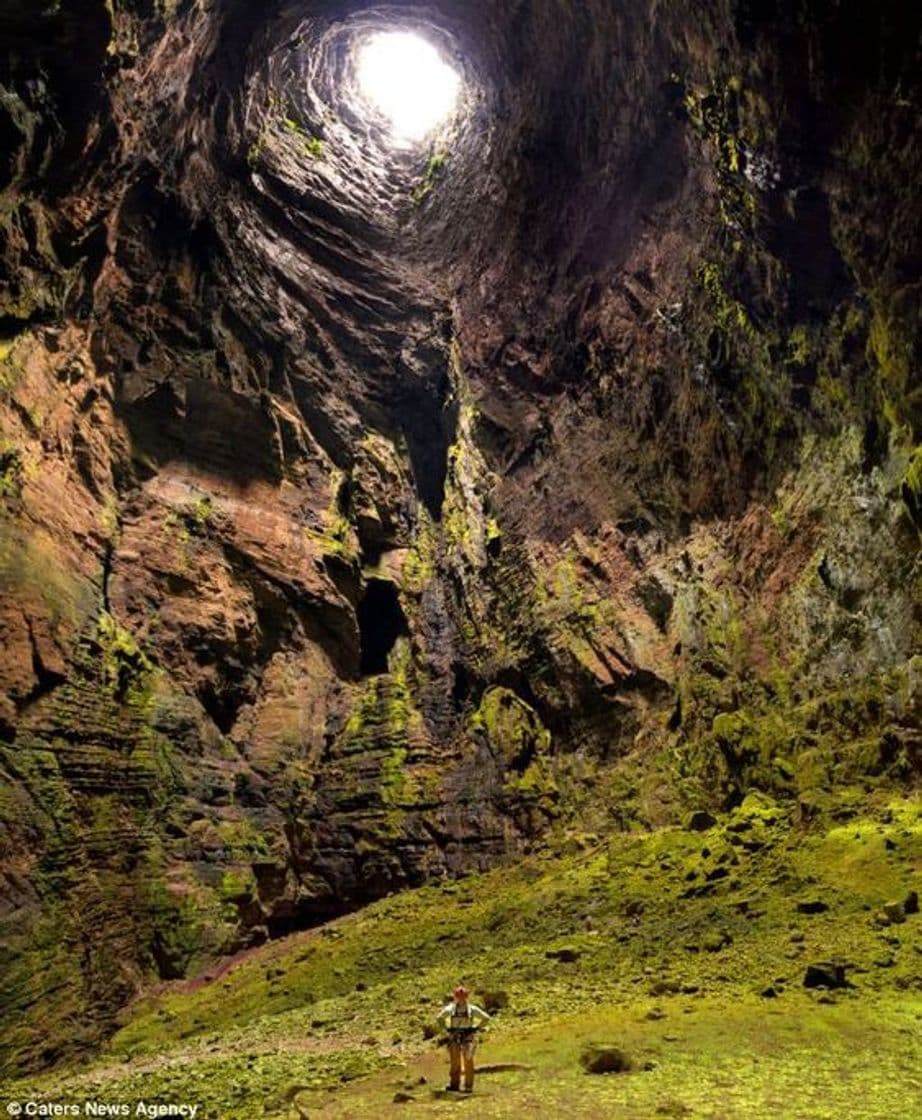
381,623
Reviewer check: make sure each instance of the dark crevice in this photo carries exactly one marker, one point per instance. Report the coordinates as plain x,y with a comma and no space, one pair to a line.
46,680
106,574
430,422
381,622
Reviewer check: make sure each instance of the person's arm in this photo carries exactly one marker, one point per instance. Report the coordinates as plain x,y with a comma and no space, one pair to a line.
479,1013
443,1015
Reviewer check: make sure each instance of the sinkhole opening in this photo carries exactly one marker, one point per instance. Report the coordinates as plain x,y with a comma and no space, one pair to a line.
381,622
404,77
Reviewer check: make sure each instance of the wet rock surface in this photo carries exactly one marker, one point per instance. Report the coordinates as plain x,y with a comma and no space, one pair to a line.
366,511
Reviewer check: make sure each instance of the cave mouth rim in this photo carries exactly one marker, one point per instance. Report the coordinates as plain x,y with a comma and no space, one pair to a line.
403,77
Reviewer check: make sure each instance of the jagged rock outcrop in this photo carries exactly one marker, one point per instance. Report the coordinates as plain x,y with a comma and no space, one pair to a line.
365,510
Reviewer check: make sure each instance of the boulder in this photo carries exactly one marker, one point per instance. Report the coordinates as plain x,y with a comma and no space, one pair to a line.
601,1057
566,953
826,974
812,906
894,912
715,940
492,1001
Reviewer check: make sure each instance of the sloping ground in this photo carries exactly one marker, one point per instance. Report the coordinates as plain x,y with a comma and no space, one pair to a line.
798,1060
687,948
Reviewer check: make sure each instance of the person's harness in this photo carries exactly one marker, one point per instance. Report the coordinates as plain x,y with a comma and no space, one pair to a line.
461,1029
462,1036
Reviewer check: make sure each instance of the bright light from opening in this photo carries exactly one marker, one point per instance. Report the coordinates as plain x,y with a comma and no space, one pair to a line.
404,77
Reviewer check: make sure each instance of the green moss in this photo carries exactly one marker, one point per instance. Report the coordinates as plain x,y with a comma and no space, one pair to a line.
521,744
32,561
891,348
241,839
781,520
800,346
337,536
254,152
312,145
109,521
177,925
10,368
434,169
10,475
911,486
732,124
237,885
511,725
382,728
670,934
421,562
126,668
728,312
202,512
807,750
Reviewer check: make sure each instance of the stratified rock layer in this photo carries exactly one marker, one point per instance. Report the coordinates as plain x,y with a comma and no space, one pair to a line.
364,511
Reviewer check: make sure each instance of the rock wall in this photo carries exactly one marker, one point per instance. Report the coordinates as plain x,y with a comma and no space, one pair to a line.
365,513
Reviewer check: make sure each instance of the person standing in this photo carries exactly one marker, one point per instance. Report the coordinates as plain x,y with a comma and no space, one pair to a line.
460,1018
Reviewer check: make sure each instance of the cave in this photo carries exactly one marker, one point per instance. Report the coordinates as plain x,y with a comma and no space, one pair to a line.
460,501
381,622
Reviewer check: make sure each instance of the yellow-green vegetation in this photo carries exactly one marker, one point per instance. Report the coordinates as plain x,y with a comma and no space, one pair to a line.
202,512
336,537
687,948
891,346
421,561
9,369
733,123
434,169
190,521
520,741
831,747
313,145
125,666
10,473
495,612
373,756
912,487
32,562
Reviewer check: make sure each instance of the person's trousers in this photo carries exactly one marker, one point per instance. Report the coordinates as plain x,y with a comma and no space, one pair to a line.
461,1060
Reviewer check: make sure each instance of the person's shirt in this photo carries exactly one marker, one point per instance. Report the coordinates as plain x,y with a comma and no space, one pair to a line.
458,1016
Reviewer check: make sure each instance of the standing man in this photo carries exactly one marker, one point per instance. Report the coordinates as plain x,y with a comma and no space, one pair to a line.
460,1019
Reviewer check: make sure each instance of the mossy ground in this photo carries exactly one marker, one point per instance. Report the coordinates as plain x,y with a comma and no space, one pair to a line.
673,937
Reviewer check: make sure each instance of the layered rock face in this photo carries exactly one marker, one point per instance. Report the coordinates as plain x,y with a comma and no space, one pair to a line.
367,511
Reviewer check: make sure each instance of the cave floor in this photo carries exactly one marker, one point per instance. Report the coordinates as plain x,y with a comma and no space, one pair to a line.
724,1058
686,949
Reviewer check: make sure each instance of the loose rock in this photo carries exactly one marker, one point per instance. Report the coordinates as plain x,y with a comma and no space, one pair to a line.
567,954
812,906
826,974
598,1057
